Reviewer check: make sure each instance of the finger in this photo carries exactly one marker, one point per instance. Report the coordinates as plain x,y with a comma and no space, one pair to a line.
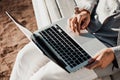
76,10
68,22
79,20
86,21
73,23
99,58
96,56
92,59
84,25
92,62
93,65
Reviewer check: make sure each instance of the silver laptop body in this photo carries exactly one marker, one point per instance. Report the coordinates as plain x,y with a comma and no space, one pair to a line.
47,39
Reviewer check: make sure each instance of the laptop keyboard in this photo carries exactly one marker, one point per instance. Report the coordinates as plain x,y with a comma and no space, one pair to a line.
65,46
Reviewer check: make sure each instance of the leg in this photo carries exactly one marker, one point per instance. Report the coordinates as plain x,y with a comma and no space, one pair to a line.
51,71
28,61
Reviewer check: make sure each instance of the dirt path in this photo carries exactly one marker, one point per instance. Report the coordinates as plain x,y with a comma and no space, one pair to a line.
11,38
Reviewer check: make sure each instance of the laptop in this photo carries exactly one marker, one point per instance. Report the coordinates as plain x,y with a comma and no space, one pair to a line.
69,50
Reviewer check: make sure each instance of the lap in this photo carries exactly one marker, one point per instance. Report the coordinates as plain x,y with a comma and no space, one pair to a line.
31,64
28,66
28,61
51,71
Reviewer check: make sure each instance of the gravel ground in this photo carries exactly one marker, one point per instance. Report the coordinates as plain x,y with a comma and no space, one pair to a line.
11,38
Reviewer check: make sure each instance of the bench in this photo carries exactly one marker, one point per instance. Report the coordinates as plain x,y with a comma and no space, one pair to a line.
49,11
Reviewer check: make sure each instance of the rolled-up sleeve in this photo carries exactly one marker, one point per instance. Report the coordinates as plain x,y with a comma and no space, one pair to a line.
87,4
117,54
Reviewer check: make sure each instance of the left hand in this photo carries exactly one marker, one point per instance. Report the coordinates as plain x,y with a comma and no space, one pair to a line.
80,20
102,59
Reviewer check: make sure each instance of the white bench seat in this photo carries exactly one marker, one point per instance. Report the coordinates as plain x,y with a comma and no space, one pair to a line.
49,11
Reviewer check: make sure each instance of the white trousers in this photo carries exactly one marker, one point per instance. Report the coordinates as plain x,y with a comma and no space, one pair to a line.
31,64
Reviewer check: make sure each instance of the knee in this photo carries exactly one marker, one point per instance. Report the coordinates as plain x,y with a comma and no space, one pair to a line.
27,58
28,52
50,71
42,76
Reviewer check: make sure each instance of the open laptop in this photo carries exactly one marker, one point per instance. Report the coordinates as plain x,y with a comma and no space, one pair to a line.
61,45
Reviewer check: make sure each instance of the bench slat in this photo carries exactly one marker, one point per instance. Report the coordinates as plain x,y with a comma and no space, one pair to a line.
77,2
53,10
66,7
41,13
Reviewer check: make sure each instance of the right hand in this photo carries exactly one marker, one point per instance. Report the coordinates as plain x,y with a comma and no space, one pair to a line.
103,58
79,21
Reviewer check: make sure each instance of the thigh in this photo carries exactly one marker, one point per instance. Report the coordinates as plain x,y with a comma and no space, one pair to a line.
51,71
28,61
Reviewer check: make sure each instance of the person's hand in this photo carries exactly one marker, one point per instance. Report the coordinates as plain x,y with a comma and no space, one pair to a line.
102,59
80,20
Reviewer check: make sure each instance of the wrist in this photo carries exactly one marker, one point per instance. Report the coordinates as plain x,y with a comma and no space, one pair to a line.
78,10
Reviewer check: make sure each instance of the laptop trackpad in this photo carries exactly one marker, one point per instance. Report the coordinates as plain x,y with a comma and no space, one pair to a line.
93,46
